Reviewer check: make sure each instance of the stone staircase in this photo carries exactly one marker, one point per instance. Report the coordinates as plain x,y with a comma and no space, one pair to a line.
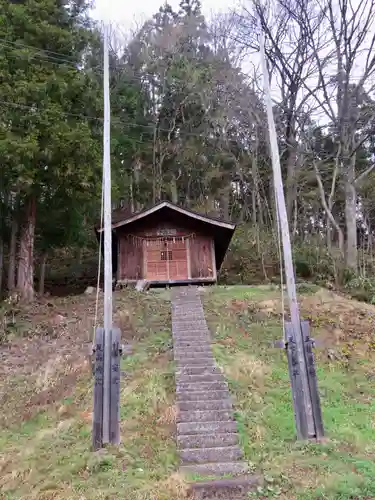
207,436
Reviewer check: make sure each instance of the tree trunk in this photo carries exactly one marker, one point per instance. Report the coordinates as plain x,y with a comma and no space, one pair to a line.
12,255
351,227
224,202
42,275
329,233
295,219
291,179
328,211
351,218
174,190
80,255
254,173
1,264
131,195
136,170
25,275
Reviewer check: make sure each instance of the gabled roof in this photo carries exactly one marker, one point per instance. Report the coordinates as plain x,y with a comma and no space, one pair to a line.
124,217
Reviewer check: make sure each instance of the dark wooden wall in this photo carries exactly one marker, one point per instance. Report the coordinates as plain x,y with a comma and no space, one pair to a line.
130,251
201,257
130,259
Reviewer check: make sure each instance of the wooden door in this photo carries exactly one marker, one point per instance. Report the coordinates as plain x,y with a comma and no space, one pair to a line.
166,260
177,255
156,264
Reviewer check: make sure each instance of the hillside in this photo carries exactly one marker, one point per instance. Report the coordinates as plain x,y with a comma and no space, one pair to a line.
47,399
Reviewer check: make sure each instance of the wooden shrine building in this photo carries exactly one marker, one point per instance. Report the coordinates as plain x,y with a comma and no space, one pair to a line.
167,244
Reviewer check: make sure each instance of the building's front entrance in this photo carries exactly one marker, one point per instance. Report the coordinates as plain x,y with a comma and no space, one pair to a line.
166,259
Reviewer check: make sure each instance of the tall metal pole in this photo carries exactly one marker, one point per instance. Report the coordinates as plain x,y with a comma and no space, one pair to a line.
287,248
107,247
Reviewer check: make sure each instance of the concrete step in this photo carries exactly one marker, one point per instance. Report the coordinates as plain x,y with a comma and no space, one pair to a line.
207,440
210,455
221,404
192,350
201,361
195,311
179,349
209,377
203,395
204,416
196,315
191,353
192,333
216,469
180,357
224,488
198,370
192,338
192,344
178,326
217,385
182,334
210,427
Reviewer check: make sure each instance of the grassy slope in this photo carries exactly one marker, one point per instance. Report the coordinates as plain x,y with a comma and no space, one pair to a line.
246,322
48,455
45,441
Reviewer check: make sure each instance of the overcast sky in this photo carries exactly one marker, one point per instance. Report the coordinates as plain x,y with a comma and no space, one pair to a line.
125,12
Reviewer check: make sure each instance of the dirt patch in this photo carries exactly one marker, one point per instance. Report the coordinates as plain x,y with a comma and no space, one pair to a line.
335,318
44,365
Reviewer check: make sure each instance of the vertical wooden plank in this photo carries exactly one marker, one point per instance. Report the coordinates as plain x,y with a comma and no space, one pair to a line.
313,380
119,261
296,382
168,261
144,246
97,421
188,257
114,422
213,259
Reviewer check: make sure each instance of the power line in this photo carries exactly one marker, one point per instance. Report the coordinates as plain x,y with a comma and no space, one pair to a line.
39,54
317,155
32,47
43,55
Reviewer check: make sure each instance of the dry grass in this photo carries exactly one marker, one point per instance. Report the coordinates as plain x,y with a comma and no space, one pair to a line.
47,411
174,487
244,366
246,328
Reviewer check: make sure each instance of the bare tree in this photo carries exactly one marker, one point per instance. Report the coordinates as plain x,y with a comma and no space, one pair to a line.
350,32
292,62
